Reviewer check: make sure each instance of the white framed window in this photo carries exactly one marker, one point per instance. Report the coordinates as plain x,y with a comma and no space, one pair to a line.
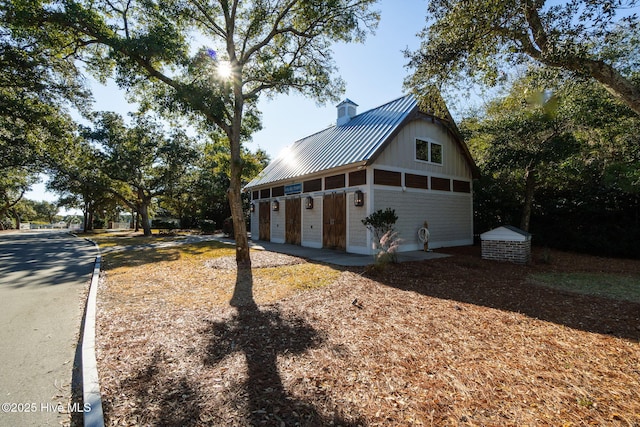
427,151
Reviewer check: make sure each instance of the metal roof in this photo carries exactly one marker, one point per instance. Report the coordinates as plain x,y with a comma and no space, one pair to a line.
354,142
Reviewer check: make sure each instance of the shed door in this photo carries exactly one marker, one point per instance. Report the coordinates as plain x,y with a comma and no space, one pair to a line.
293,219
334,221
264,221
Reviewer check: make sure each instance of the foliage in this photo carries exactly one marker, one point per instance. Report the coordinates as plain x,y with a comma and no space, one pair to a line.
524,136
38,80
587,190
380,222
211,180
77,176
388,250
207,226
269,47
140,162
477,42
14,182
42,211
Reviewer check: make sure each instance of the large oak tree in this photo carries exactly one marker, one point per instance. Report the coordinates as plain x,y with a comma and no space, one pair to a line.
212,58
481,39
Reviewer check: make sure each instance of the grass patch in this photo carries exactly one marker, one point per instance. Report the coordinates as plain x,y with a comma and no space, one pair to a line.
626,288
179,276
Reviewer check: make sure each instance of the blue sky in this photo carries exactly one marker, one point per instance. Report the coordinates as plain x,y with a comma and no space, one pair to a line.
374,73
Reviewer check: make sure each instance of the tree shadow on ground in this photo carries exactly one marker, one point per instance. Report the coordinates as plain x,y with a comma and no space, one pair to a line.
467,278
176,401
262,334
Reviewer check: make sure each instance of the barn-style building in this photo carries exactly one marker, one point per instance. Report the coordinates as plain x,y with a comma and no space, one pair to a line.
317,192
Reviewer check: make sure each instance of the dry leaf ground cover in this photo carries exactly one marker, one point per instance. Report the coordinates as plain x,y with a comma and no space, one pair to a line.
454,341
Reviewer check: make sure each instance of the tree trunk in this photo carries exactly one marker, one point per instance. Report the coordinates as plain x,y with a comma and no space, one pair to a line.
144,213
615,83
530,187
17,216
243,259
88,218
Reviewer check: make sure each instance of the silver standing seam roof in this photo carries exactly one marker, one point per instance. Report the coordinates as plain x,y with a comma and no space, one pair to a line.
355,142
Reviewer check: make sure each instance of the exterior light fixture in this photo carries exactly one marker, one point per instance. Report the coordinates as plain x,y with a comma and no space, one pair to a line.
275,206
253,207
358,198
308,203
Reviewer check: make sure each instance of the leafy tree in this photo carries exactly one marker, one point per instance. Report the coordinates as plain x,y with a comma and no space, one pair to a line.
250,48
45,211
14,182
37,211
214,180
479,39
76,175
38,81
142,158
526,139
587,191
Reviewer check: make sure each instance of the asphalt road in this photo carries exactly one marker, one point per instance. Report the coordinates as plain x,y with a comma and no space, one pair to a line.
43,281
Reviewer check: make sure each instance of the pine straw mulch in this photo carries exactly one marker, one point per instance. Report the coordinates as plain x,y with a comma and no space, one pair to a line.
455,341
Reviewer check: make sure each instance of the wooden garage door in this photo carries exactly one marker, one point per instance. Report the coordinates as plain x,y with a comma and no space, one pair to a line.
293,219
264,221
334,221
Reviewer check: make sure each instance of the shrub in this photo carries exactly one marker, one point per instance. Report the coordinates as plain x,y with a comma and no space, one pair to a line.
207,226
388,250
227,227
157,223
380,222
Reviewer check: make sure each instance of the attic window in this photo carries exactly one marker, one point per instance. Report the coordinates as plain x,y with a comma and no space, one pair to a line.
428,151
342,111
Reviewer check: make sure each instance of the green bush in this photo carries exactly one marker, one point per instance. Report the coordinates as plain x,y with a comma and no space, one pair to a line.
381,222
207,226
227,227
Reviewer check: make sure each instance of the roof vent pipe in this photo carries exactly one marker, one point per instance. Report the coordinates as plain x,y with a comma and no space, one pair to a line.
346,110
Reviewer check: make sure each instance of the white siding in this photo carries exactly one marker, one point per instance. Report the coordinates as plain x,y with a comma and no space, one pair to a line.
312,224
448,215
255,224
400,153
277,223
356,230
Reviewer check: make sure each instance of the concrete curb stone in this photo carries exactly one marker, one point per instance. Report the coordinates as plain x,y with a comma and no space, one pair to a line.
94,417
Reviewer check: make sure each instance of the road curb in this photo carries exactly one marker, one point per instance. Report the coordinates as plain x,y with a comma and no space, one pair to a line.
94,417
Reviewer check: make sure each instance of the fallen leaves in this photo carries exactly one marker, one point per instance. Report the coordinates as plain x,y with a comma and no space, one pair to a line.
457,341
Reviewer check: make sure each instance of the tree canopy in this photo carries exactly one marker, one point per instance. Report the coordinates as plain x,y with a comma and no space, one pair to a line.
38,82
180,47
479,41
561,158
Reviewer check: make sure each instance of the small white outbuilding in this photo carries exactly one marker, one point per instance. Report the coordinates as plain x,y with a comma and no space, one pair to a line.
507,243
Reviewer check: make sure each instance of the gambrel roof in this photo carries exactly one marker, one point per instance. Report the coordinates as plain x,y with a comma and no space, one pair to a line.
359,141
